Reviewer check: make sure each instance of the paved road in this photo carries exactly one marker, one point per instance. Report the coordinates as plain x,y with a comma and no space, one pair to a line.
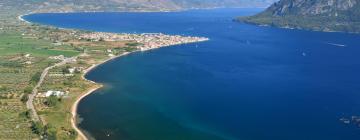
29,103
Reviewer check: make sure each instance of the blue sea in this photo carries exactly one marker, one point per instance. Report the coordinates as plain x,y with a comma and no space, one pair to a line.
247,83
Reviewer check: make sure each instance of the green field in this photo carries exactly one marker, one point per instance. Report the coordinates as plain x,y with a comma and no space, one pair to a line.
22,60
16,75
15,43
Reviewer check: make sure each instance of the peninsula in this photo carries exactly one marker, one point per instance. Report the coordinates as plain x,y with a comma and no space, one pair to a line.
43,70
94,49
318,15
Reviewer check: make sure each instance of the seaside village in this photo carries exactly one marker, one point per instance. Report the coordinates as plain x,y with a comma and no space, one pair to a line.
42,74
141,42
145,41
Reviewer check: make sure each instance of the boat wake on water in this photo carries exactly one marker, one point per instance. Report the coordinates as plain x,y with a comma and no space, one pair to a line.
335,44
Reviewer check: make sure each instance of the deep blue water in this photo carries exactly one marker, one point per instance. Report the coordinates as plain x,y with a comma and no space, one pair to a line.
246,83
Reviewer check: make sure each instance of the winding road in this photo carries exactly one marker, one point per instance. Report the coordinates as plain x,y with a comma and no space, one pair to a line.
29,104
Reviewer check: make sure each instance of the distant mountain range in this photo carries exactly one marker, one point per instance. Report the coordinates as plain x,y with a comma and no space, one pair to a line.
126,5
321,15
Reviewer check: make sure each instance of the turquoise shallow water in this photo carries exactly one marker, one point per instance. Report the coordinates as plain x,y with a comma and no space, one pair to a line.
246,83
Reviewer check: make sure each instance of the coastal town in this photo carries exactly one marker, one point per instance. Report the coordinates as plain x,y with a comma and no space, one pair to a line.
146,41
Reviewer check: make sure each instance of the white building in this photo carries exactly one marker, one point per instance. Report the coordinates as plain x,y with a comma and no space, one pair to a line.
72,70
60,57
54,93
27,55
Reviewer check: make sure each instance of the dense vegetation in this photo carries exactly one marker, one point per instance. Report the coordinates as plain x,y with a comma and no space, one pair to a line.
321,15
23,58
21,61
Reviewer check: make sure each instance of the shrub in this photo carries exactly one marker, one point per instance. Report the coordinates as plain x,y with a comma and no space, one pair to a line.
37,128
36,77
49,132
25,114
24,98
28,90
52,101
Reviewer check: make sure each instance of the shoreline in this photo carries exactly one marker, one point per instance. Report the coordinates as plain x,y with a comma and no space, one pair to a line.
74,107
20,17
291,28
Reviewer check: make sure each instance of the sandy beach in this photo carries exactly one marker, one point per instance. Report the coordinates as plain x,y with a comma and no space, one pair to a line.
20,17
81,135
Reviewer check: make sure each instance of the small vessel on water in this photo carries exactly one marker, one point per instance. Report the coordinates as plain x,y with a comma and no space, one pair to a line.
345,120
353,120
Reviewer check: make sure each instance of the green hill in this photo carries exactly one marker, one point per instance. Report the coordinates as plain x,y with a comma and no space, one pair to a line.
321,15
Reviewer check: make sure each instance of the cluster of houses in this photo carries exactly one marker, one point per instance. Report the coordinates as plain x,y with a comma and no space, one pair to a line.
57,43
71,72
148,40
28,59
59,57
110,53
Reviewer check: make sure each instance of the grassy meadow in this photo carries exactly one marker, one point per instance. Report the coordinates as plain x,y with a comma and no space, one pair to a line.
21,58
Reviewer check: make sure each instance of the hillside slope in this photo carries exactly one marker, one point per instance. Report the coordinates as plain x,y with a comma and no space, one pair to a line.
321,15
126,5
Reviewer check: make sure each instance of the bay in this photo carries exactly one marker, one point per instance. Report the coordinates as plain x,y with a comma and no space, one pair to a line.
247,83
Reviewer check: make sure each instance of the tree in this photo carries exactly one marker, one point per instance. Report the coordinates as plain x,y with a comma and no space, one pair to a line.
50,132
3,88
66,70
37,128
72,134
26,114
35,78
52,101
24,98
28,90
47,131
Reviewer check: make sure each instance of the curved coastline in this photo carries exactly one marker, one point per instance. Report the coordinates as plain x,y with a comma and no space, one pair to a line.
21,18
81,134
90,91
74,107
